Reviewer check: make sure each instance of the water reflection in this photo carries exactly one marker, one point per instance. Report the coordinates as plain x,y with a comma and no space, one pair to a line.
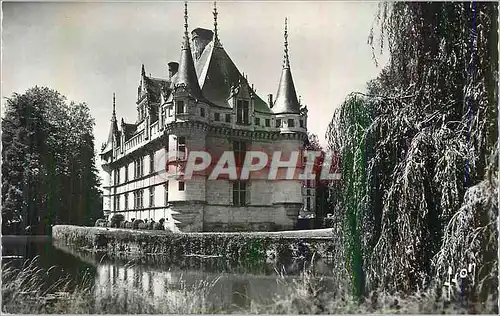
157,279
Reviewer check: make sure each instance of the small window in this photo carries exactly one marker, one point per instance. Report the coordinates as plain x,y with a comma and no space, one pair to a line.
257,121
301,123
179,107
202,112
216,116
268,123
228,118
181,185
181,147
170,110
239,193
278,122
291,123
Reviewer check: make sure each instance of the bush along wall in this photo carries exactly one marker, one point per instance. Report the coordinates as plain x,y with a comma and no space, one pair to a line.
243,248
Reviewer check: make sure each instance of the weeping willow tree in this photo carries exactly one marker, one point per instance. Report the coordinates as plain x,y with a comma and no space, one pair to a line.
419,190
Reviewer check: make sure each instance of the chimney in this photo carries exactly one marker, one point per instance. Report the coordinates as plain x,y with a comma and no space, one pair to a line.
172,68
270,100
200,37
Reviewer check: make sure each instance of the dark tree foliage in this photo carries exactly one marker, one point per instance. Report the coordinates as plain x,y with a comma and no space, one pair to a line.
419,189
48,170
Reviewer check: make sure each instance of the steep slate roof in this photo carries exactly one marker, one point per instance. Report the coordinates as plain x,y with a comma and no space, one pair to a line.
112,129
154,86
128,129
217,74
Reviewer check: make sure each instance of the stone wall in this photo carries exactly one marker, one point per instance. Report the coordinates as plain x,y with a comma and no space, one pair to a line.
235,247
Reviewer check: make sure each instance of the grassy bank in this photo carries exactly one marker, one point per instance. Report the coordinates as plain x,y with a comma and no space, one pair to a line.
23,291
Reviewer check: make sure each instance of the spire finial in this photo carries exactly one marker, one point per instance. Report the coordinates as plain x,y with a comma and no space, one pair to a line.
216,34
186,34
143,71
286,61
114,106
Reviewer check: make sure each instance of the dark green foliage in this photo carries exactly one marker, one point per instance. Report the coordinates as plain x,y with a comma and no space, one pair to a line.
135,223
101,222
116,219
414,144
48,170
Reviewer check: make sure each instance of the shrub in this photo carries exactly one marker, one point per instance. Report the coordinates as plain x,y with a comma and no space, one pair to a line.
143,225
101,222
122,224
135,224
158,226
116,219
151,224
128,224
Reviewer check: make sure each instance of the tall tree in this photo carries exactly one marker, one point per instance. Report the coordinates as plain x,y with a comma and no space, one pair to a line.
48,170
416,142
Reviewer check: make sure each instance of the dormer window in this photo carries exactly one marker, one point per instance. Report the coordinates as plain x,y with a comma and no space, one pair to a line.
301,123
179,107
278,123
202,112
291,123
242,112
216,116
257,121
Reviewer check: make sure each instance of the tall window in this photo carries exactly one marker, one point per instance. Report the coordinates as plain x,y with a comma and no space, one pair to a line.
138,168
152,162
228,118
179,107
117,176
138,197
152,196
268,123
301,123
170,110
165,186
216,116
242,109
117,202
126,173
257,121
126,202
202,112
239,193
239,149
278,122
291,123
181,147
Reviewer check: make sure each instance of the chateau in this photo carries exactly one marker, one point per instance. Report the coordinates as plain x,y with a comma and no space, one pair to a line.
205,104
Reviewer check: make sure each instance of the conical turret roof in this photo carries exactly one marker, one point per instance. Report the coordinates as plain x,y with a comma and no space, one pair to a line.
286,98
186,75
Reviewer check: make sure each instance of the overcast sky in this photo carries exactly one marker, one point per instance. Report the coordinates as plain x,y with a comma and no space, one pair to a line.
87,51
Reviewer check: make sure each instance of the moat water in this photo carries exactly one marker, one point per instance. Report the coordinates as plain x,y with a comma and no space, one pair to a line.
235,287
